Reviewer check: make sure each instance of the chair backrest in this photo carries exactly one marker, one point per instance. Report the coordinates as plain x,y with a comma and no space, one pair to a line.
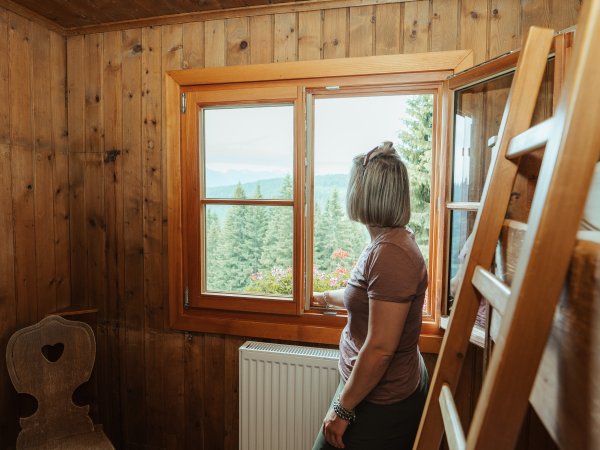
49,360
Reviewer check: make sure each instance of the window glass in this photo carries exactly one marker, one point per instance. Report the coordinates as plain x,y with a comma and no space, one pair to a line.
249,249
461,225
343,128
252,146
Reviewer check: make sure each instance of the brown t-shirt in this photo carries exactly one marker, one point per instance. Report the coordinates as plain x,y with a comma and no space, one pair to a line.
390,269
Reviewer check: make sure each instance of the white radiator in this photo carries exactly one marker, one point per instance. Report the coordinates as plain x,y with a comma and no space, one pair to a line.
285,391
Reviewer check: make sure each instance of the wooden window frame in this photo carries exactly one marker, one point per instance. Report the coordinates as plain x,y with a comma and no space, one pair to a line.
484,72
427,71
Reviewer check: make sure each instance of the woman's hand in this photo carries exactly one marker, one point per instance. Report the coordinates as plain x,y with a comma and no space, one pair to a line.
334,428
319,299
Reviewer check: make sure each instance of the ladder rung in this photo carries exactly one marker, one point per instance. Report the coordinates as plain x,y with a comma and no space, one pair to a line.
531,139
454,432
494,290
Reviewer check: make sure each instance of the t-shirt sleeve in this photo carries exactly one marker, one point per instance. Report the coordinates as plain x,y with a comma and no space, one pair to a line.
393,275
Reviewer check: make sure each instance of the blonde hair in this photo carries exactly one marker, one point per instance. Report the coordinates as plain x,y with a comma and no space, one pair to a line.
378,190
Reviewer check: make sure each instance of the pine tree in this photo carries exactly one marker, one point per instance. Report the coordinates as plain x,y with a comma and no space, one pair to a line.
213,245
256,228
415,148
235,273
278,241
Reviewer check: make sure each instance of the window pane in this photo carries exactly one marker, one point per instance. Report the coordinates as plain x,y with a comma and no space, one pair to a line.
344,128
249,249
477,118
461,225
248,147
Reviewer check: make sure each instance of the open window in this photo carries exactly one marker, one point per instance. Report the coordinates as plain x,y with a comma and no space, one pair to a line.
477,100
259,158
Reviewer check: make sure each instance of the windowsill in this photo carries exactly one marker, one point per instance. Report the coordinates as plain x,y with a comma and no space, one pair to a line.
310,327
477,333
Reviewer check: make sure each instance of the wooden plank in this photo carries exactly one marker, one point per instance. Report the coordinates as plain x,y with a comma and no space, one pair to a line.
152,212
335,33
231,383
60,177
173,343
152,177
416,26
535,13
110,405
43,168
95,232
454,431
285,38
237,32
491,288
21,100
113,182
384,64
4,79
94,129
77,228
22,164
473,28
564,14
76,93
531,139
261,39
114,315
8,304
193,45
362,31
389,30
194,391
174,378
309,35
214,393
154,394
505,27
214,43
444,25
133,347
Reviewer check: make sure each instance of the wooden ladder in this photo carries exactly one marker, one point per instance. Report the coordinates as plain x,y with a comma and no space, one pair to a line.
572,146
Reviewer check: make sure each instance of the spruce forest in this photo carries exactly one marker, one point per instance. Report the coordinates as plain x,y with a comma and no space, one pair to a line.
249,248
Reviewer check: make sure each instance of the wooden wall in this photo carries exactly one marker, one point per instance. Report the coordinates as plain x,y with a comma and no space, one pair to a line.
103,208
35,276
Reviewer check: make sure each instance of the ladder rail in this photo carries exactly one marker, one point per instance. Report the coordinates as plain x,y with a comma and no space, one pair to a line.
526,84
569,159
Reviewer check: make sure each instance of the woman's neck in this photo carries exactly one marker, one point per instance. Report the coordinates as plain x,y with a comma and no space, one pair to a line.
375,232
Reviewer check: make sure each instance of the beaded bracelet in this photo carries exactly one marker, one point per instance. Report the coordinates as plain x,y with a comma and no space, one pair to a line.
343,413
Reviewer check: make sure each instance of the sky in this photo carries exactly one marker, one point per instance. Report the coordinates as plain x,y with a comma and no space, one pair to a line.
253,143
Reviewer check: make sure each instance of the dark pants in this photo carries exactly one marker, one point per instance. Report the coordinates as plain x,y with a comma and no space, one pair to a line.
383,427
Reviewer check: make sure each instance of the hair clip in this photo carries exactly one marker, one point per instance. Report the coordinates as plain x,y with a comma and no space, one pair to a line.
367,156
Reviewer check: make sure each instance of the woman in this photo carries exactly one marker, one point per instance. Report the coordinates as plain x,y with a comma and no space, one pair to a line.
383,386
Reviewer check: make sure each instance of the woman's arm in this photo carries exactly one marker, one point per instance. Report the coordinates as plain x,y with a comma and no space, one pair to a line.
386,323
334,298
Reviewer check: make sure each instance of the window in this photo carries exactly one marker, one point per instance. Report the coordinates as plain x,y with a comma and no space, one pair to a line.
258,169
479,99
345,125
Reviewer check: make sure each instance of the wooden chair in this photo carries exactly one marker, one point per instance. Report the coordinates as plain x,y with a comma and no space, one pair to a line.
49,360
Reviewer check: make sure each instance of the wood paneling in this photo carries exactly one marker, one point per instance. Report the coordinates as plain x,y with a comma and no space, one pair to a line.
34,192
159,388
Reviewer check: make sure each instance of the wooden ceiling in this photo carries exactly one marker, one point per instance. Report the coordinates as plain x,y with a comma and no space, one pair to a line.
69,14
